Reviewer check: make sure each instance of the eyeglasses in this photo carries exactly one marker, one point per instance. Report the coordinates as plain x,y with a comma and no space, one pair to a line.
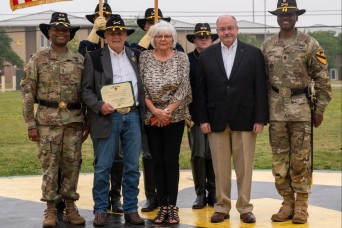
229,29
166,37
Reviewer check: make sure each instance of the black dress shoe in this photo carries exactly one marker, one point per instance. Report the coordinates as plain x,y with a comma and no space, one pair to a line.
219,217
200,202
134,218
248,217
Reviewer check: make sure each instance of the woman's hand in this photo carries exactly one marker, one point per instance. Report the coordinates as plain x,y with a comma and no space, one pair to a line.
162,117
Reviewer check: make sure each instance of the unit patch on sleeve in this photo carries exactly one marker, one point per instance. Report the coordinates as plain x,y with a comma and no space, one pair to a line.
320,56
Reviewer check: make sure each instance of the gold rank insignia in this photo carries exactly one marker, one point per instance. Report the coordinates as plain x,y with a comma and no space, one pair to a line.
320,56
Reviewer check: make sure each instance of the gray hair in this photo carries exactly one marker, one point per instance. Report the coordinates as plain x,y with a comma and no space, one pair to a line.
166,27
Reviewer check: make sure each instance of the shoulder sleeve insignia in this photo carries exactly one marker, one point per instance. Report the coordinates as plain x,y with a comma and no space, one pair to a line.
320,56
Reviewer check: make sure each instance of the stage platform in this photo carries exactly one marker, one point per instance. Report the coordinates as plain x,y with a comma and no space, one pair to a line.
20,206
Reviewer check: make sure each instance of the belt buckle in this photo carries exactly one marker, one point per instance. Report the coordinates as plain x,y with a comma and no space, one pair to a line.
285,92
123,110
62,105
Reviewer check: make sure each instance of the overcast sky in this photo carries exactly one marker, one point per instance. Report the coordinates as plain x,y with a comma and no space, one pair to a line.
327,12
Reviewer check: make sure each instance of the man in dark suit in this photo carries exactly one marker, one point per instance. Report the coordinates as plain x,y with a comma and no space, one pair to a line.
232,109
114,63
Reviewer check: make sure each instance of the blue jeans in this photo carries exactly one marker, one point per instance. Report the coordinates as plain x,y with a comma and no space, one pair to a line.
127,128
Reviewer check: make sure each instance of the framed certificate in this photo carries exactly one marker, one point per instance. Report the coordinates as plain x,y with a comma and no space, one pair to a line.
119,95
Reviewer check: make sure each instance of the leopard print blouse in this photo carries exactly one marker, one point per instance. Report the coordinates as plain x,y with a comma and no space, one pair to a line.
166,82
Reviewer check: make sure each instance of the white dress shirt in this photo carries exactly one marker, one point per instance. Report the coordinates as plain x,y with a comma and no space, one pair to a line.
123,70
228,55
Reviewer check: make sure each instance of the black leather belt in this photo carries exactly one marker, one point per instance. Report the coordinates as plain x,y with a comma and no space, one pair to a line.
286,92
61,105
125,110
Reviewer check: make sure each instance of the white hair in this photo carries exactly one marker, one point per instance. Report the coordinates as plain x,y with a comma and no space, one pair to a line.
166,27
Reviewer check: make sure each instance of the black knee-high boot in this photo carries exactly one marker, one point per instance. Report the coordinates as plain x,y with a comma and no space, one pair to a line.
150,186
199,174
116,182
211,187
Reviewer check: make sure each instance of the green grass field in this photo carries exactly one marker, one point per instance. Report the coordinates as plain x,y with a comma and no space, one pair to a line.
18,154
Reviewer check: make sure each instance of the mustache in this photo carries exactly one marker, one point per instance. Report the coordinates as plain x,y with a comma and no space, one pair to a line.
227,36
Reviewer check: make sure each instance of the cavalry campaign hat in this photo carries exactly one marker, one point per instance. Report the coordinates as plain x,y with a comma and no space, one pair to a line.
59,20
201,29
115,23
106,11
287,6
149,16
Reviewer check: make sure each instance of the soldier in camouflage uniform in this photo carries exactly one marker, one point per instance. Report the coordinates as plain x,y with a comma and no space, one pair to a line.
53,77
293,61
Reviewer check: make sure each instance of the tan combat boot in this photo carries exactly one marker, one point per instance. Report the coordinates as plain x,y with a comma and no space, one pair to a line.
71,214
50,215
287,210
301,209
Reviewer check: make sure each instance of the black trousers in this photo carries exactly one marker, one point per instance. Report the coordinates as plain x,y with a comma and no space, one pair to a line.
164,144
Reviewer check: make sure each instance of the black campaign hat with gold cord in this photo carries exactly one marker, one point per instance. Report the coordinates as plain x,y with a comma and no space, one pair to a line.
287,6
201,29
149,16
115,24
106,11
59,20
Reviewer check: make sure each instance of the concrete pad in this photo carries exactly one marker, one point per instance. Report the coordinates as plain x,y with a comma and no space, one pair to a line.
20,205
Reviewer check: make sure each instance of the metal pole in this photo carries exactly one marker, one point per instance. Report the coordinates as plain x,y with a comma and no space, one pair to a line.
265,19
253,11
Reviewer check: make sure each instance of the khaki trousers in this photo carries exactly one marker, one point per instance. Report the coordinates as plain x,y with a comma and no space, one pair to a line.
239,146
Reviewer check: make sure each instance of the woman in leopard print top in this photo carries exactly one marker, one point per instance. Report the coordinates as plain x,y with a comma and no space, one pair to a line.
165,76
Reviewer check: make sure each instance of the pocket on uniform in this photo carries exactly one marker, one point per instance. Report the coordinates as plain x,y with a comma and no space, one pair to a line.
298,108
44,152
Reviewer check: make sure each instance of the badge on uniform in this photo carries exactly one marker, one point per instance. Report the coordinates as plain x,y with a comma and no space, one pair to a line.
133,57
320,56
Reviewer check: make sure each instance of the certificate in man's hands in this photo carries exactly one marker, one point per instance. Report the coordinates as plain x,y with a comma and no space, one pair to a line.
119,95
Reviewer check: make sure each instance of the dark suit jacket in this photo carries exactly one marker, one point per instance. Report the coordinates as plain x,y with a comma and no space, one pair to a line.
98,72
240,101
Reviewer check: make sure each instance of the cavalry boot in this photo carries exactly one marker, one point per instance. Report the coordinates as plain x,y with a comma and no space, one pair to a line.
211,187
199,175
50,215
71,214
115,192
286,211
149,186
301,209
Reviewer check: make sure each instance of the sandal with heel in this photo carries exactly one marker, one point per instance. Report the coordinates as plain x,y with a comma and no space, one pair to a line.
173,214
162,215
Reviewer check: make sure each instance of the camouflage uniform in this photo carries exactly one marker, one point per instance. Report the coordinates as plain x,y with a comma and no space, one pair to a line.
54,79
292,65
